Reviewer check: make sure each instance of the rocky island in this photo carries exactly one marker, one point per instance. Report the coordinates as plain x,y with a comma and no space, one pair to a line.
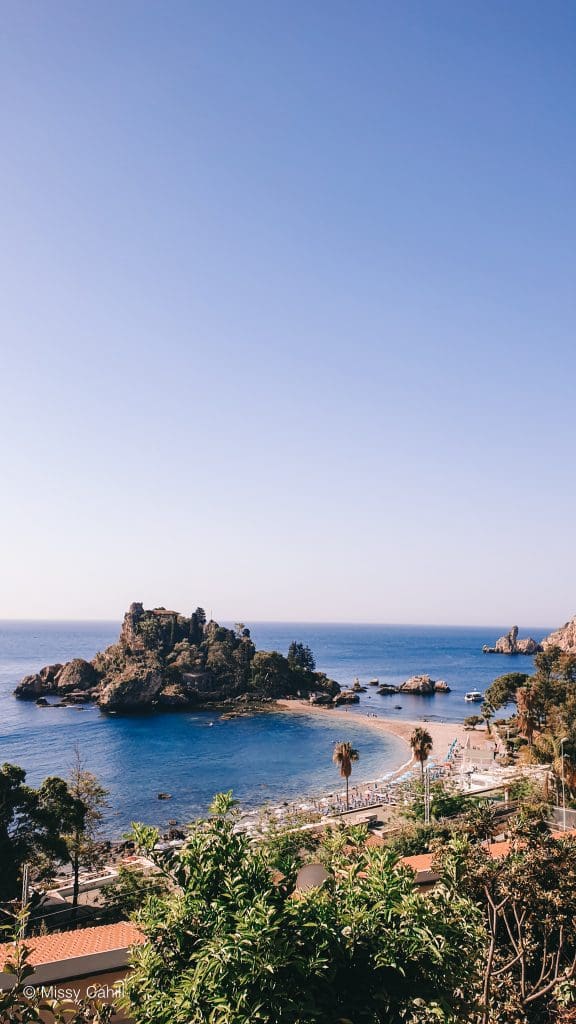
422,684
163,659
510,644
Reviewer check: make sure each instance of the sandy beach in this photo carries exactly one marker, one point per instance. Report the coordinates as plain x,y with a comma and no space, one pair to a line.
442,733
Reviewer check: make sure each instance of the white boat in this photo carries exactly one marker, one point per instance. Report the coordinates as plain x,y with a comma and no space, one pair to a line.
474,695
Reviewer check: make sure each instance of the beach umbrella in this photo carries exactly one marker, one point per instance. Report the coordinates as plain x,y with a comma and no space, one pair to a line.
311,876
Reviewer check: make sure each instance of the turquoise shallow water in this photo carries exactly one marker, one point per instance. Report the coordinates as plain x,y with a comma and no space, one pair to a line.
263,757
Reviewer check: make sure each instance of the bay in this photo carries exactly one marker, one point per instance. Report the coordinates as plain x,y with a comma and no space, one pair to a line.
262,758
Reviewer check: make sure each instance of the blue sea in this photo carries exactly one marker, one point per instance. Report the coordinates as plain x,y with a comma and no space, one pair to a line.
262,758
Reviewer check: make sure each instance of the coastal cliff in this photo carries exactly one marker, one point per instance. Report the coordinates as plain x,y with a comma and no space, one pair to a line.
564,638
165,659
510,644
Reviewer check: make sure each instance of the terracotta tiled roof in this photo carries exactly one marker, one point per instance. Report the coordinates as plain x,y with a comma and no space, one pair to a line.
46,949
498,850
373,840
418,862
570,832
423,861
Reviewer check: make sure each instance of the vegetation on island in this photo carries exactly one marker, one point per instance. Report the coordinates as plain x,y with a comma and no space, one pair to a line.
166,660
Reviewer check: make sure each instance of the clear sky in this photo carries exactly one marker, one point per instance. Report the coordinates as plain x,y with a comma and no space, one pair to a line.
288,309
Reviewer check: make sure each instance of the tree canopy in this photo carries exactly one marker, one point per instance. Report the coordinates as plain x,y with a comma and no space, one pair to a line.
300,657
231,942
32,826
528,902
503,690
80,834
344,755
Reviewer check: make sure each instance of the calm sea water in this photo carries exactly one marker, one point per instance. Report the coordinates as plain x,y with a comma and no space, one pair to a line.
262,757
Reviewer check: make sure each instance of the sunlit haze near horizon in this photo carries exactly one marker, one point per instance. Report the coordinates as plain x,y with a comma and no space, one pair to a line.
288,310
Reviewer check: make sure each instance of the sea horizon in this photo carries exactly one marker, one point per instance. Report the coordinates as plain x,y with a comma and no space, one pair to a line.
297,622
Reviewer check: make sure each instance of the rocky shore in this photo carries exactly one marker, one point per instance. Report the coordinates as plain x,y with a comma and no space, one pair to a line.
564,638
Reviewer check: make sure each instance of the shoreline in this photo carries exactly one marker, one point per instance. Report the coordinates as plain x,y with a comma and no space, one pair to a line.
368,794
442,733
443,736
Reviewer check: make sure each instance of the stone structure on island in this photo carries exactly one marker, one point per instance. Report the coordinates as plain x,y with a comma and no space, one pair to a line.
166,660
422,684
510,644
564,638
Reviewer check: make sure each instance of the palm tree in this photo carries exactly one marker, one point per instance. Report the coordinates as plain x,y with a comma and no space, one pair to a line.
421,743
487,712
527,712
548,749
344,756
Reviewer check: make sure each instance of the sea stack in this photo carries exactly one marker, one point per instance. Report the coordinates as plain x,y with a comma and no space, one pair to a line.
510,644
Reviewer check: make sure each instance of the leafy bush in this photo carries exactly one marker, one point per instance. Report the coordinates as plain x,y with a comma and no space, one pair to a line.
229,944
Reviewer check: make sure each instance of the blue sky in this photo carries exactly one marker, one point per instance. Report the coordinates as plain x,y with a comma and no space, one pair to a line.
288,309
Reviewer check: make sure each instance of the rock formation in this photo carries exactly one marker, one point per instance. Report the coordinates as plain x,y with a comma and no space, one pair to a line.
421,684
164,659
510,644
441,686
564,638
346,697
424,684
418,684
61,679
322,699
